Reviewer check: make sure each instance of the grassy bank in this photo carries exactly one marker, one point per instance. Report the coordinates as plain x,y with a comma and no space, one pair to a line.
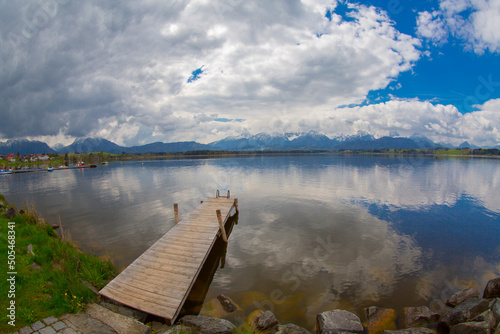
50,280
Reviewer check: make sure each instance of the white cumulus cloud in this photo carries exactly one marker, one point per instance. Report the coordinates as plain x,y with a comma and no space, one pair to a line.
474,22
441,123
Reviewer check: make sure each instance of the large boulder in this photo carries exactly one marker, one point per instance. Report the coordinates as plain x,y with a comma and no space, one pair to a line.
339,322
291,329
464,312
492,289
419,316
380,319
207,325
471,328
462,296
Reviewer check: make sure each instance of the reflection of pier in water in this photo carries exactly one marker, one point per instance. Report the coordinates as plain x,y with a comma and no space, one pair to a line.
160,280
216,259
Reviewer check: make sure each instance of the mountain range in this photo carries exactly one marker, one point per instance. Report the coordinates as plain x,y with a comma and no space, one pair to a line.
24,147
310,141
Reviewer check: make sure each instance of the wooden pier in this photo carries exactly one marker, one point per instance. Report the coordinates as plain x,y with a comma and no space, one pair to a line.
159,281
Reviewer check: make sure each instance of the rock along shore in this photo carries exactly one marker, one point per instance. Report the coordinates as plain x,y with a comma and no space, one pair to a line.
469,314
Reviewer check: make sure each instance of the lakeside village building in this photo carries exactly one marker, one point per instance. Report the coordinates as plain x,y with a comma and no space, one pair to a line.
25,158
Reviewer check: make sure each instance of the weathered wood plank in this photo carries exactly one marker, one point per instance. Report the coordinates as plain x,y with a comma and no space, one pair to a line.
140,303
164,291
179,250
179,234
185,256
144,294
158,273
171,261
182,245
174,284
166,267
207,229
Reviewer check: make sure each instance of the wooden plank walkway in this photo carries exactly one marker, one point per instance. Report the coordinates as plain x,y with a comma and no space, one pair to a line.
159,281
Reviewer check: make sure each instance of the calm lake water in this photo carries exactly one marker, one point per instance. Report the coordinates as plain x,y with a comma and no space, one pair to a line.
314,232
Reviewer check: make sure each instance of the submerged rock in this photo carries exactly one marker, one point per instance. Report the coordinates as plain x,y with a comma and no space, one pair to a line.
492,289
418,316
380,319
462,296
339,321
227,304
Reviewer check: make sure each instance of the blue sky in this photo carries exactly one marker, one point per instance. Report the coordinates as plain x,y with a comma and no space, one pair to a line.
136,73
449,74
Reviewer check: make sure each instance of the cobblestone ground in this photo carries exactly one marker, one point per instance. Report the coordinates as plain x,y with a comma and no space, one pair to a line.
50,325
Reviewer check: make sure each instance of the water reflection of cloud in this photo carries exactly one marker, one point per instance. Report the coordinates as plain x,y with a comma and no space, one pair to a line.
397,182
352,253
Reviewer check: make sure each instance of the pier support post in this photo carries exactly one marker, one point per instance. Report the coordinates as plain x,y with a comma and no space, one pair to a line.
223,257
221,226
176,213
236,205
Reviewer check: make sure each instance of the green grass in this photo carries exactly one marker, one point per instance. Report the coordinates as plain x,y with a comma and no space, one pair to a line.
55,289
452,152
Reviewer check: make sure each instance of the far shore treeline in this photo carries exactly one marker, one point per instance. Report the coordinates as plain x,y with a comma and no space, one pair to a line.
51,159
